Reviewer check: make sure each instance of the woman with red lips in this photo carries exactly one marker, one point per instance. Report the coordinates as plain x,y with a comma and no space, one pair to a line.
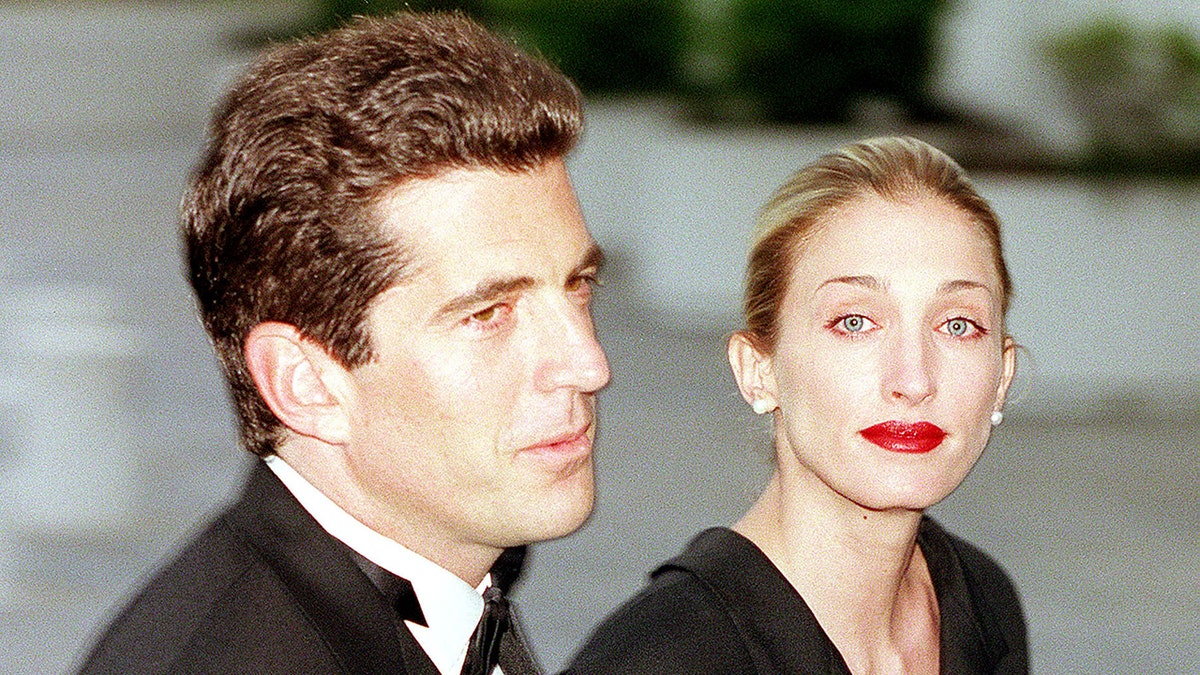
874,339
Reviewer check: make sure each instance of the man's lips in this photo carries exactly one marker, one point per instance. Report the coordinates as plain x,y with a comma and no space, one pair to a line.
570,443
908,437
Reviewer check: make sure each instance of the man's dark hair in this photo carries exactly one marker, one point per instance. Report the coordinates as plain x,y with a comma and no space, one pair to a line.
280,221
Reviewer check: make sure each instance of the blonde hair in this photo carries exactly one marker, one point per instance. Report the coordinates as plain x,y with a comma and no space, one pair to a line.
894,168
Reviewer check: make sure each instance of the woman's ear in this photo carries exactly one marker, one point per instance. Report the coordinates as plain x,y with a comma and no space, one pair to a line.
753,372
300,382
1009,370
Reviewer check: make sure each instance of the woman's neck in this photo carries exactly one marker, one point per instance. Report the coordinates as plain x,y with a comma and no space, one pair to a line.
859,571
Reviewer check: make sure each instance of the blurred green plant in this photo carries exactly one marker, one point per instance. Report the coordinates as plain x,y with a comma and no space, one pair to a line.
333,13
726,60
1137,91
821,60
607,46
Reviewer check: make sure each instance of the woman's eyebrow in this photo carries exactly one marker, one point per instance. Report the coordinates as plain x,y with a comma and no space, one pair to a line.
593,259
865,281
957,285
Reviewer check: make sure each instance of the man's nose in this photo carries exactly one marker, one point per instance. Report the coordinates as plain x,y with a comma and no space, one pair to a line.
572,356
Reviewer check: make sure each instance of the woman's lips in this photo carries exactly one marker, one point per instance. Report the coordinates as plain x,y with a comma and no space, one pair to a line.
908,437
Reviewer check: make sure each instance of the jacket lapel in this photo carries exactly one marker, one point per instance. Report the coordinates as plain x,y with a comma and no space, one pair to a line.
515,657
364,634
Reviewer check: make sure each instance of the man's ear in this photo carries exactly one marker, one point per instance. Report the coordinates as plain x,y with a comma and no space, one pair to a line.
300,382
753,373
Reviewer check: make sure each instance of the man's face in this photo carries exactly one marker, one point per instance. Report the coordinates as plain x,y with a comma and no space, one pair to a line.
473,426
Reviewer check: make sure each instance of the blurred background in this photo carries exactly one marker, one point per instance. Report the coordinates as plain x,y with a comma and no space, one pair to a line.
1079,119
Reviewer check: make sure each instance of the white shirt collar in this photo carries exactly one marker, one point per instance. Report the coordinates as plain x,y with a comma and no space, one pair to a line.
451,607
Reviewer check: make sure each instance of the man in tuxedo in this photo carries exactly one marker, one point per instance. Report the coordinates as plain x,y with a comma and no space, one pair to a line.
392,265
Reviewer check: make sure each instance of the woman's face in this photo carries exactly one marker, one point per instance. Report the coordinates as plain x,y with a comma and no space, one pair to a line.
891,355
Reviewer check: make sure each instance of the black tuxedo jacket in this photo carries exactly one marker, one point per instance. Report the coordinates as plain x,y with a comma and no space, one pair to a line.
264,589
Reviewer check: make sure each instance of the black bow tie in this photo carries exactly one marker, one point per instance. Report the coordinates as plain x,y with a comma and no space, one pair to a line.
398,591
483,651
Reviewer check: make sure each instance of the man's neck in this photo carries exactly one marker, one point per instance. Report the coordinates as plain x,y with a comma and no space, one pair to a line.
350,517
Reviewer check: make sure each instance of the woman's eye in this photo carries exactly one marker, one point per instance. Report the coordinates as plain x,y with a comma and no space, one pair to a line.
960,327
854,323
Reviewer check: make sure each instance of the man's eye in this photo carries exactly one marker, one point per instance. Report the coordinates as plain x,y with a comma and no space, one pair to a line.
583,285
485,315
489,315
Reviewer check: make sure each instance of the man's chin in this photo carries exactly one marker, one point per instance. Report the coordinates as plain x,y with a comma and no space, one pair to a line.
557,516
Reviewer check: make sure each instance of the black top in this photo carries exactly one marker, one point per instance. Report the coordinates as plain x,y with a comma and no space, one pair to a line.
722,608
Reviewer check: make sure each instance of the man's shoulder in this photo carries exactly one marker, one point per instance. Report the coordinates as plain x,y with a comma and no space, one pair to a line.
204,586
217,606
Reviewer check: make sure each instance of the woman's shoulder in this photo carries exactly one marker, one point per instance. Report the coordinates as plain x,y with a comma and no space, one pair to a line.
981,573
971,576
718,608
679,623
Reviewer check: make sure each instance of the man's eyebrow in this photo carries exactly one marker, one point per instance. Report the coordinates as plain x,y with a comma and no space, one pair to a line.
490,290
485,292
593,259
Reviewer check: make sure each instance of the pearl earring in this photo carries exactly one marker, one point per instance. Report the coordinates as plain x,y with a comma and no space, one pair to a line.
760,406
997,418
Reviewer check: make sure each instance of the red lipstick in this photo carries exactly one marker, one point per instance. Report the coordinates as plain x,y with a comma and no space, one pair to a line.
912,438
